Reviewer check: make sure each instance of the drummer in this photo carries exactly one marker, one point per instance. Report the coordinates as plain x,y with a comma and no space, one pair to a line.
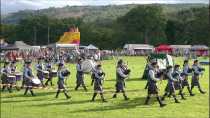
39,68
48,67
28,76
13,81
5,73
80,76
60,82
13,66
61,60
23,70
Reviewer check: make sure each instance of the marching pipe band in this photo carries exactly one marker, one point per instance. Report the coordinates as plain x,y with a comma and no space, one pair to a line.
177,80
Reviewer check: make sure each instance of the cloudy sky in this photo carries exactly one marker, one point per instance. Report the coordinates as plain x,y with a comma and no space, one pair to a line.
8,6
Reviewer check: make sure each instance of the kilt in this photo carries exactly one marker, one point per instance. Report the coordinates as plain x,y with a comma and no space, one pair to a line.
98,88
170,88
120,86
80,78
195,80
11,80
28,82
152,88
61,84
4,79
185,83
177,85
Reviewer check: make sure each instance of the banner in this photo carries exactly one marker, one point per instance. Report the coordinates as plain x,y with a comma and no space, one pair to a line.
71,37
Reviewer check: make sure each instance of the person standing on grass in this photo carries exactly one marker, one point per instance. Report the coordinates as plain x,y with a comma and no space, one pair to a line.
98,82
23,69
170,88
186,73
152,85
80,76
48,67
197,71
178,84
39,69
120,80
5,71
13,82
61,78
28,76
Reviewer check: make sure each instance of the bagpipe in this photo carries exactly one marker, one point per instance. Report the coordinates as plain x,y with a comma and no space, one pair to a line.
161,74
101,74
201,69
66,73
126,71
190,70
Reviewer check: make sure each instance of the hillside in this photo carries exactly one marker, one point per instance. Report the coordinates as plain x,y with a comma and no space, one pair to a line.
89,13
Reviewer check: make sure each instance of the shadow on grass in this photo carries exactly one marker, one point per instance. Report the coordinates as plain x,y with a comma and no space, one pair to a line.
67,102
29,94
18,101
130,104
130,79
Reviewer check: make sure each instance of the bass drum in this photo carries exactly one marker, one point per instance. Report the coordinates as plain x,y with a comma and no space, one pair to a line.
87,65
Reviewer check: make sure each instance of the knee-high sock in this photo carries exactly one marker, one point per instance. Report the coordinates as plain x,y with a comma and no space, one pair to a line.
94,95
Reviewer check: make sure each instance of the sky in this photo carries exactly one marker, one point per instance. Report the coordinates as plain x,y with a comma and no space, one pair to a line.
9,6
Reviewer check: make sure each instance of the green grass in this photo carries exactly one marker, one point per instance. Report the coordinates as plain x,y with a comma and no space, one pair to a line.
44,105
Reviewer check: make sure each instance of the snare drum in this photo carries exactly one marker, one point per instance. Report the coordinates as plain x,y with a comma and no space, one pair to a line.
46,74
54,73
36,82
18,76
11,78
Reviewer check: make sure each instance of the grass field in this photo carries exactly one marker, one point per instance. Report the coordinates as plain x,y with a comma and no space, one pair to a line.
45,105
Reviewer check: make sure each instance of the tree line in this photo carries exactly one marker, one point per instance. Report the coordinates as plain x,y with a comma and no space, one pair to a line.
142,24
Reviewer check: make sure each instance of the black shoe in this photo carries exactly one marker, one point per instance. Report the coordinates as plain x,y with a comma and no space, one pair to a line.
162,105
183,98
176,101
68,97
104,100
202,92
114,96
126,98
192,94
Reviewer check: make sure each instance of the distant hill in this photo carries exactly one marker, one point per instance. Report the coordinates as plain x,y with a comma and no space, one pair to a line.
90,13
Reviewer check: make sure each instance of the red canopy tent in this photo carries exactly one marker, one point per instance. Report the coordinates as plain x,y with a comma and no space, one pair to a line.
163,48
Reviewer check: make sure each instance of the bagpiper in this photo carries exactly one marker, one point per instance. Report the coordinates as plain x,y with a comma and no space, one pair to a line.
170,88
178,83
121,74
152,85
62,74
197,71
98,82
186,72
80,76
